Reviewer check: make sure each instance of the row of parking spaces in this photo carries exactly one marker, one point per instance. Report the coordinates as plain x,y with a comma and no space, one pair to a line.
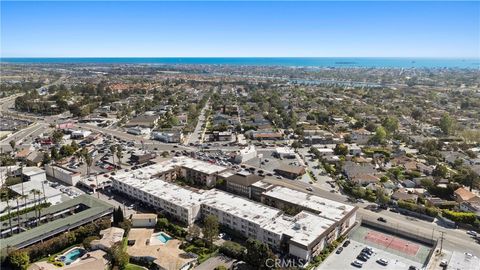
358,255
370,249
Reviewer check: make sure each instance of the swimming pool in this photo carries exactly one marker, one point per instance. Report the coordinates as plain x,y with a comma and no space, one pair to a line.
163,237
72,255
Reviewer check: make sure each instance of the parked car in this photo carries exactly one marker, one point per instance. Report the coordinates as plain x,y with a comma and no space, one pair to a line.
346,243
362,257
357,264
382,262
444,263
411,267
339,250
381,219
309,189
368,250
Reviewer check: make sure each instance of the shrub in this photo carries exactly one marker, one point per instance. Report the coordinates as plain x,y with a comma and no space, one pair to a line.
462,217
233,250
58,264
87,242
18,260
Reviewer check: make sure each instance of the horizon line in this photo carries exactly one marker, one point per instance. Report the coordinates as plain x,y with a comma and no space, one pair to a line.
424,57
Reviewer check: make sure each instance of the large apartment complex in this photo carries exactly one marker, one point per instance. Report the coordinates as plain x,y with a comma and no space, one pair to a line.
303,234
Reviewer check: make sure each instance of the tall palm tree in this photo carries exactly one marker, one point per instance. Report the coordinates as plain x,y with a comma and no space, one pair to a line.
5,197
18,215
119,155
88,161
113,149
24,197
43,191
35,192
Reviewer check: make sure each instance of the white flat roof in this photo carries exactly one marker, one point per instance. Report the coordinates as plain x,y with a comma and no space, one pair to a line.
328,209
238,206
144,181
284,150
198,165
29,171
303,228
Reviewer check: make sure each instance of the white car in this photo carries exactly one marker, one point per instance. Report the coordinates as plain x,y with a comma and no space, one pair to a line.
472,233
382,262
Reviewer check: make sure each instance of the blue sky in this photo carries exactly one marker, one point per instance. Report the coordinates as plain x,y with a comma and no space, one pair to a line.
240,29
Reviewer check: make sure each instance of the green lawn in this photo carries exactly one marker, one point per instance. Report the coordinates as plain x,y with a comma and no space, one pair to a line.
132,266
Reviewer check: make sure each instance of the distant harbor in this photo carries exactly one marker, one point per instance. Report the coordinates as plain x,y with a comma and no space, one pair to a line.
319,62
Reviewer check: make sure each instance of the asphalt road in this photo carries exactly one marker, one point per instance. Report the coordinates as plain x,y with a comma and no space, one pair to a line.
199,131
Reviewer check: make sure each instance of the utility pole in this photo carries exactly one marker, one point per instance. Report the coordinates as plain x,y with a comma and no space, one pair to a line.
441,241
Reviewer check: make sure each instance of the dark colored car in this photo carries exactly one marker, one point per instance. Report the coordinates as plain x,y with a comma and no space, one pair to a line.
362,258
339,250
381,219
346,243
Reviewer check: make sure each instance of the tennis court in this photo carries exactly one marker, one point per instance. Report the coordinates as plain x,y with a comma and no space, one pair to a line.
394,244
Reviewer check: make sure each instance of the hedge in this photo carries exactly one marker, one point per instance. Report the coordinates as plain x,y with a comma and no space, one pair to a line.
62,241
461,217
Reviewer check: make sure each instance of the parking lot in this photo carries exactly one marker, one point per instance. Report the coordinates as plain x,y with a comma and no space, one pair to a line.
400,253
349,254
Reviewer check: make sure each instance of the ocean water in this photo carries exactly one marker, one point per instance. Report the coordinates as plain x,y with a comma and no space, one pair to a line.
337,62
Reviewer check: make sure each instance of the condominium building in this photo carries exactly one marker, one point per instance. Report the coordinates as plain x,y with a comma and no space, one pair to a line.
302,233
292,200
242,215
181,203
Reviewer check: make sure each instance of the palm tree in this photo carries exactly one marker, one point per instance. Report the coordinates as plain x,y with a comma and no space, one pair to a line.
79,155
5,196
88,161
24,197
36,192
12,144
18,216
43,191
113,149
119,155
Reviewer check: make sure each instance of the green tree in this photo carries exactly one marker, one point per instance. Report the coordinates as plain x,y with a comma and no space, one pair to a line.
18,260
447,124
210,228
46,158
118,216
380,135
119,257
440,171
12,144
66,150
382,197
390,124
341,149
54,153
57,136
258,253
417,113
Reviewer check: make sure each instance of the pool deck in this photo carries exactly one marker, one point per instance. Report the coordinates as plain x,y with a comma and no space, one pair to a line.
155,241
94,260
167,255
